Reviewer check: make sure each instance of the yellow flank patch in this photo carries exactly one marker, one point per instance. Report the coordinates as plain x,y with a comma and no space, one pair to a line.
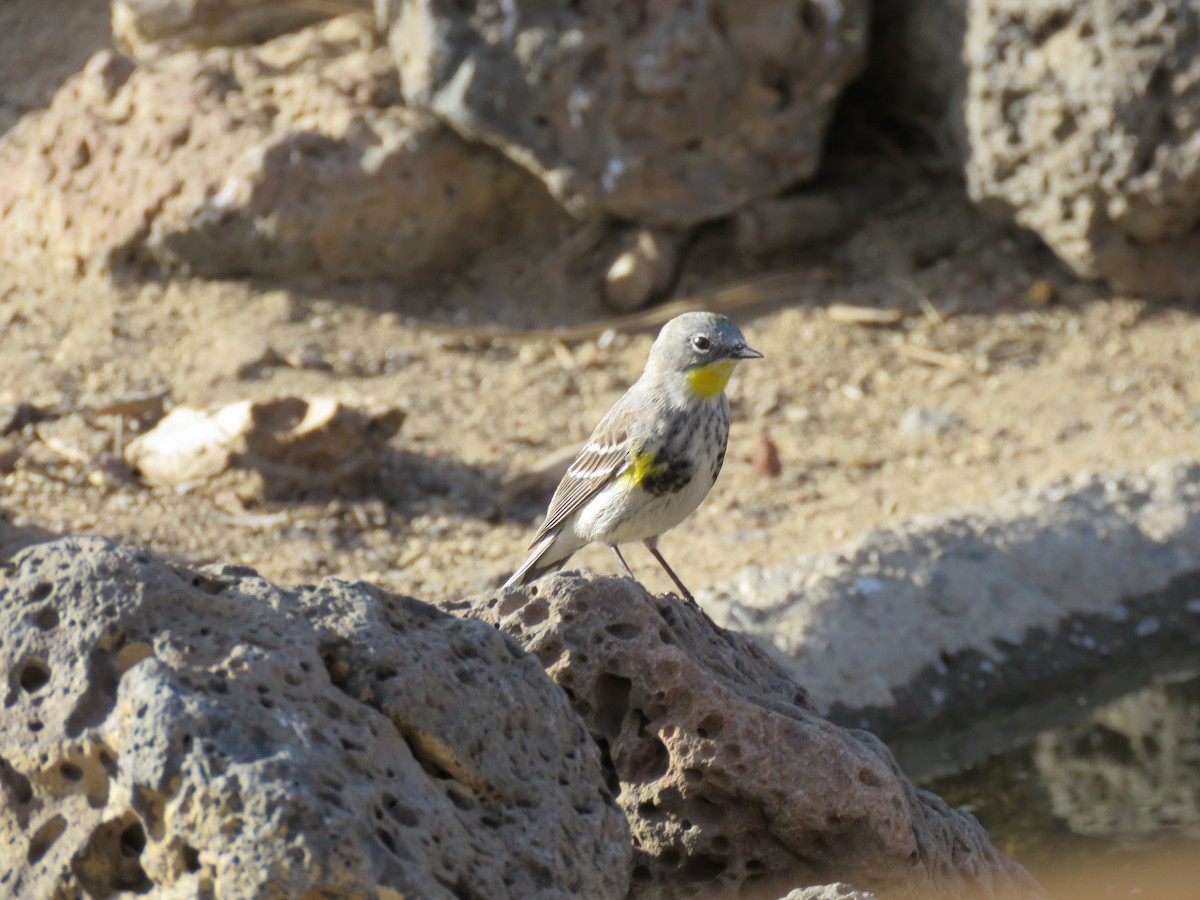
641,468
710,380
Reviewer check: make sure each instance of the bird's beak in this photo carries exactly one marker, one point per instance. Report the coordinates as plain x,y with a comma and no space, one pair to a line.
744,352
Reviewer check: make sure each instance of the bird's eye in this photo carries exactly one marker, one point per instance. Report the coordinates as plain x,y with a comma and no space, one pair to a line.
700,342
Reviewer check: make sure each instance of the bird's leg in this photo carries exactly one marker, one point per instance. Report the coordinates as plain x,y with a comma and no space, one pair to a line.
628,570
652,546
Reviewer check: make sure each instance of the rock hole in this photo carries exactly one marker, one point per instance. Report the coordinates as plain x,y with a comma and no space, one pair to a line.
534,614
649,761
702,868
34,676
641,873
45,837
99,698
383,673
111,861
669,858
386,840
70,771
754,866
867,777
647,809
35,725
338,671
611,780
612,703
46,618
710,726
810,18
132,840
624,630
15,784
207,584
460,798
41,591
403,814
190,857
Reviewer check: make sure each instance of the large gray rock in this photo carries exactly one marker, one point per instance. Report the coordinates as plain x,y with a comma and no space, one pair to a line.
287,160
670,113
204,733
729,779
925,629
1083,122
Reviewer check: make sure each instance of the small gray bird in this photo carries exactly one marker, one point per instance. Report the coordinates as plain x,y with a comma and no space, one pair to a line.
654,456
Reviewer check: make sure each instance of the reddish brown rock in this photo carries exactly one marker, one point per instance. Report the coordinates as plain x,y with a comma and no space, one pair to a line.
728,777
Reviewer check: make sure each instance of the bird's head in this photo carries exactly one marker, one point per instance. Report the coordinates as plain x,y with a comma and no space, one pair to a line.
703,349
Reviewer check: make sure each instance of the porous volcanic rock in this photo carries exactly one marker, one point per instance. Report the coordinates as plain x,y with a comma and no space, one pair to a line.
668,113
206,733
288,159
728,777
1083,122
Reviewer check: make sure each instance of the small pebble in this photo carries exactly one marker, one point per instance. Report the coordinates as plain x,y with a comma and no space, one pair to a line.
919,421
766,457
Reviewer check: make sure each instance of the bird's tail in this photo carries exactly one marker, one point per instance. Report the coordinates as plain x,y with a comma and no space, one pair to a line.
534,566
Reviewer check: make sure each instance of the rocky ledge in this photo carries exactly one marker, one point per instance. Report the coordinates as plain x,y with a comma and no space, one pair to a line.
204,732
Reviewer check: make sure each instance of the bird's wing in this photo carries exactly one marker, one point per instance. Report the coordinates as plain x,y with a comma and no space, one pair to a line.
604,455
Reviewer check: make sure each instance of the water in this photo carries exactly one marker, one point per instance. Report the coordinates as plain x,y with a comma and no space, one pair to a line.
1106,806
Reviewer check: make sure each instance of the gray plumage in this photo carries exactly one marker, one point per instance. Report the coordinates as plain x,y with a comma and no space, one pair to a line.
654,456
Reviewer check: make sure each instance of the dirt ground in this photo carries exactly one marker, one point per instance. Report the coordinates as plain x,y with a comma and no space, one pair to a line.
1033,377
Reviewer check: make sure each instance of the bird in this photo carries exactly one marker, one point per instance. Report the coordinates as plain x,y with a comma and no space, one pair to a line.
653,457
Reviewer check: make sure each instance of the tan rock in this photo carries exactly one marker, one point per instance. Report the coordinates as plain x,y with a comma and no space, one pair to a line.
305,438
285,160
644,271
727,775
189,732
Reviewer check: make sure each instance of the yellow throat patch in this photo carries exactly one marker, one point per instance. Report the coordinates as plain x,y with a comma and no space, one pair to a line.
708,381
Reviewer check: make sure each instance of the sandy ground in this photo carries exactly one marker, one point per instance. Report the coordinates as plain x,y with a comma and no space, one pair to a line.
1022,391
